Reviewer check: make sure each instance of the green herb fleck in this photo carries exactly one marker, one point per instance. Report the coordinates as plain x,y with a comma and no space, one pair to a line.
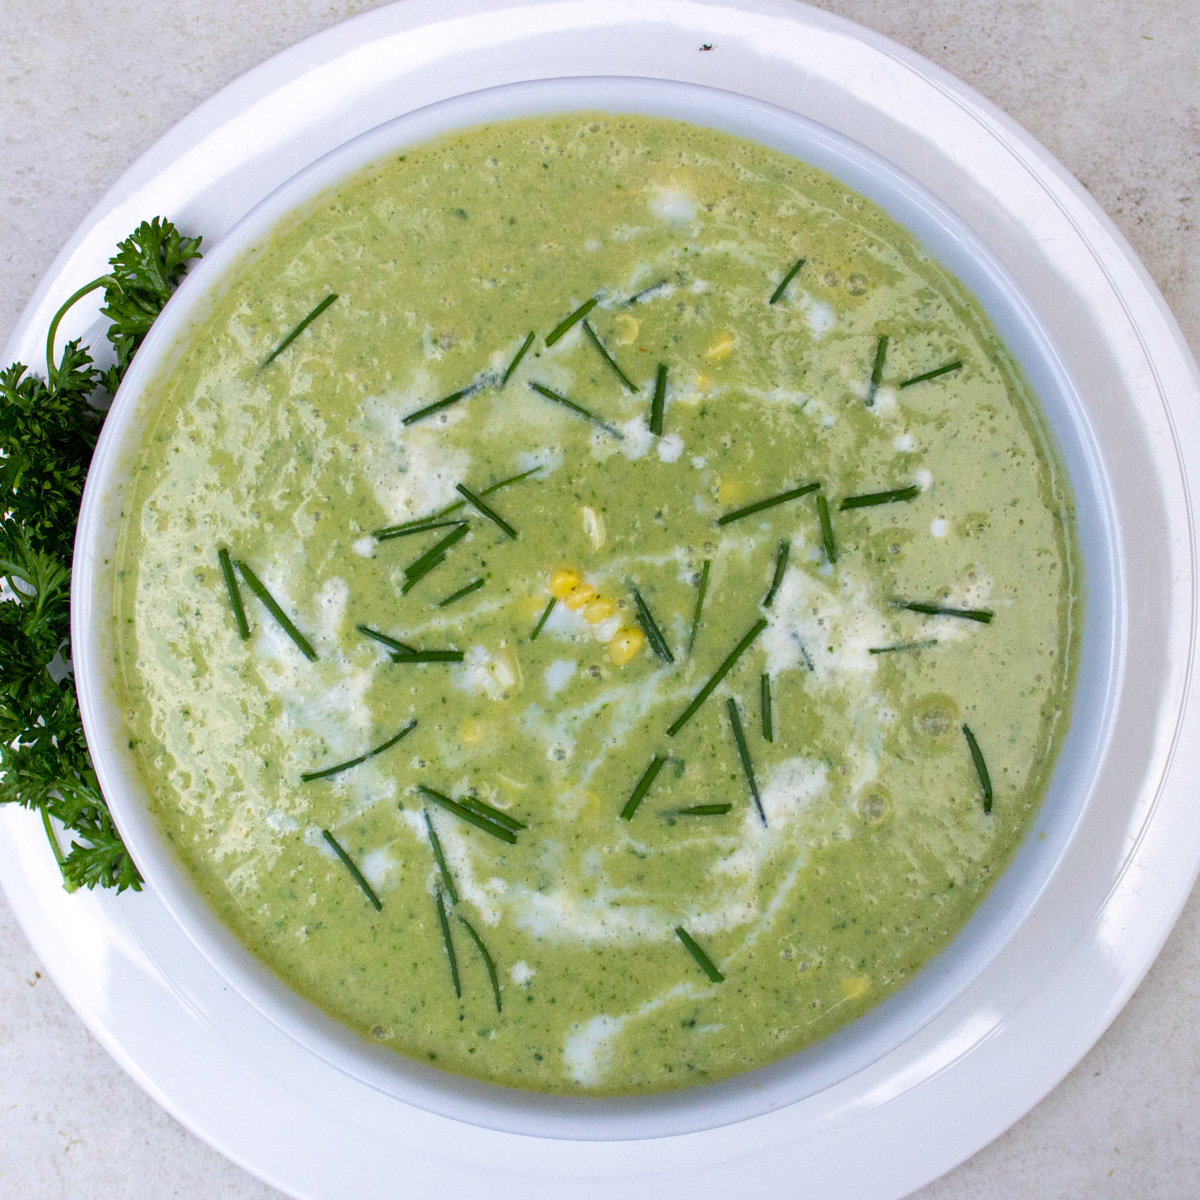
281,618
608,358
435,844
777,294
781,561
643,785
348,863
924,644
658,405
448,942
703,810
702,960
484,809
291,337
516,362
543,619
411,528
956,365
477,503
739,736
566,323
466,590
309,776
877,368
983,615
438,405
826,529
719,674
985,780
701,588
654,634
487,959
872,498
768,722
769,502
472,818
433,557
235,596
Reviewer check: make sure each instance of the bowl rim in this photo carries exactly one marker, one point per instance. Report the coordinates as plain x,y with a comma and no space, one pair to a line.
744,1096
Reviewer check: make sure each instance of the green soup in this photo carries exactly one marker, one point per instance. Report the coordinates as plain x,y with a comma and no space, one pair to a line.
672,882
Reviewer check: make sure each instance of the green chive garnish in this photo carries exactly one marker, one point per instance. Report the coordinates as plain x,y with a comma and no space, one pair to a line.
309,776
390,642
777,294
449,944
658,405
924,644
235,596
739,736
702,960
473,586
291,337
649,775
877,368
768,722
769,502
826,528
566,323
873,498
543,619
985,780
487,959
703,810
648,293
484,809
348,863
281,618
781,560
433,557
403,652
512,366
438,405
477,503
982,615
399,531
719,674
956,365
608,358
423,523
558,398
470,816
654,634
700,590
436,845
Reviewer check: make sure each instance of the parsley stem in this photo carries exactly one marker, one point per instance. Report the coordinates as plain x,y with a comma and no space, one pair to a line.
956,365
924,644
445,402
309,776
705,963
448,942
512,366
435,844
701,588
485,509
658,405
559,398
543,619
719,674
291,337
650,628
777,294
985,780
643,785
703,810
768,719
273,608
826,528
769,502
487,959
608,358
235,595
567,321
350,866
473,586
870,499
781,561
983,615
877,368
56,850
470,816
69,302
739,736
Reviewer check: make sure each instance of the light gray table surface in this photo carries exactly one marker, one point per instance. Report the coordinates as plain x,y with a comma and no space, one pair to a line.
1112,87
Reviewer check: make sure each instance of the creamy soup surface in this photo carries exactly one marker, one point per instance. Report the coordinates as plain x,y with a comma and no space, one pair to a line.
671,882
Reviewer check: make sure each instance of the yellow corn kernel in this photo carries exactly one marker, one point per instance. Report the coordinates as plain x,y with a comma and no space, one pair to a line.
598,609
730,491
472,733
855,987
626,329
625,644
721,347
578,596
562,582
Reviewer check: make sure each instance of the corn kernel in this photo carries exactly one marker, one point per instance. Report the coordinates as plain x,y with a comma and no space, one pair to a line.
625,644
597,610
562,582
855,987
626,329
721,347
730,491
578,596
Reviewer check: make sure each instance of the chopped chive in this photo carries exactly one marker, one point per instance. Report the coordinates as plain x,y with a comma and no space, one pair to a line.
702,960
309,776
658,404
701,588
423,523
956,365
739,736
235,596
826,528
768,720
924,644
468,815
484,809
420,566
703,810
427,656
877,368
719,674
411,580
648,293
578,408
985,780
449,944
399,531
873,498
291,337
769,502
654,634
348,862
777,294
438,405
281,618
566,323
543,619
492,515
512,366
473,586
608,358
390,642
982,615
781,560
495,487
487,959
436,845
643,785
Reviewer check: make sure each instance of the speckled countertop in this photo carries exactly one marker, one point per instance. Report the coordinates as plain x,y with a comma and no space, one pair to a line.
1112,87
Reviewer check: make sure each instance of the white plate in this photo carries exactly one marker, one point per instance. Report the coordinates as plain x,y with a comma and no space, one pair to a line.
314,1131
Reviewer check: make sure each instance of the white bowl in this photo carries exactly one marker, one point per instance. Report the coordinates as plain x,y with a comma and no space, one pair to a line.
1013,896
